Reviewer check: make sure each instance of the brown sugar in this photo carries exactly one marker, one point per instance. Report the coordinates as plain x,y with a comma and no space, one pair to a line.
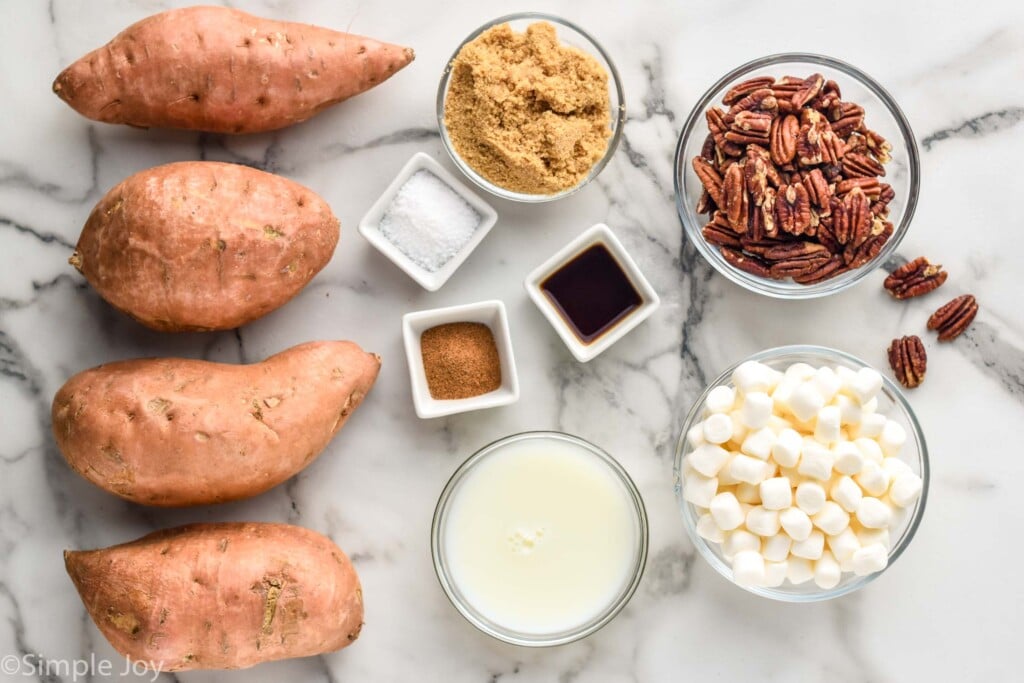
527,112
460,360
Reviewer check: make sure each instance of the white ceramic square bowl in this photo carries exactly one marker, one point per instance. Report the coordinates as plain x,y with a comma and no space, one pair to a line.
598,234
369,227
490,313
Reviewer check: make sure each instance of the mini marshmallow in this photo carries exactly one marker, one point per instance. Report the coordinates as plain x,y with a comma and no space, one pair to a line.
726,510
752,376
763,522
750,470
873,513
828,383
777,424
816,460
748,568
847,494
871,425
783,393
774,573
725,477
867,383
892,438
800,372
843,544
748,493
717,428
873,479
906,488
870,559
871,406
776,493
826,571
847,376
811,547
831,519
849,458
739,430
776,548
739,541
799,570
787,447
695,436
810,496
868,537
869,448
759,444
756,410
796,523
850,412
806,401
699,490
707,529
826,429
708,459
721,399
894,467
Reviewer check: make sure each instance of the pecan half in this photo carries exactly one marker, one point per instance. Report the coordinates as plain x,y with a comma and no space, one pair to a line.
719,236
817,188
749,127
735,199
783,138
954,317
808,90
849,117
829,269
755,172
745,262
718,127
915,278
870,186
709,178
857,256
762,100
908,360
793,209
879,146
741,90
852,218
861,165
796,259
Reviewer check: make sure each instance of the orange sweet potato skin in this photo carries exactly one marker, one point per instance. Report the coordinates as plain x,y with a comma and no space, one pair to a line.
174,432
221,70
203,245
221,596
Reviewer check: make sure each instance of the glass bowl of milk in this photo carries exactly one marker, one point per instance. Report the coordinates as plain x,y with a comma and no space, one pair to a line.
539,539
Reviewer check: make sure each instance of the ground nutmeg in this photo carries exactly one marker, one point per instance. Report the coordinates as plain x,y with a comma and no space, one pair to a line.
460,360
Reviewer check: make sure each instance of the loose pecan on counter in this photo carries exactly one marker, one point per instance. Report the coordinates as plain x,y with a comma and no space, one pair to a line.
908,360
954,317
793,173
915,278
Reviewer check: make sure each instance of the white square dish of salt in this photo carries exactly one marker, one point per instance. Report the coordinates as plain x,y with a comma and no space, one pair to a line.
427,222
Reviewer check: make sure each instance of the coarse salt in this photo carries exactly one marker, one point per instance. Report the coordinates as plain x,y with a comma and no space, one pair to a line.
429,221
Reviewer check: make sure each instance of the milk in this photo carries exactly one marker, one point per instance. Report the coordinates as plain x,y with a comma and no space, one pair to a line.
541,536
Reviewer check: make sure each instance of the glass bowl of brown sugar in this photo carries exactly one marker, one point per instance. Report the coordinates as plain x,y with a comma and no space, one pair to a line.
540,143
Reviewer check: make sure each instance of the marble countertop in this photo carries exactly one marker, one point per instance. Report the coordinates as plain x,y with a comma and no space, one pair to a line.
948,610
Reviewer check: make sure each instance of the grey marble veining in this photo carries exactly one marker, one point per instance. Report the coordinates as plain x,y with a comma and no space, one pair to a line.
949,610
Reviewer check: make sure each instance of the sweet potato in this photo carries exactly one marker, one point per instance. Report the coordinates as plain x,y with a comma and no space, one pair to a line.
221,70
173,432
220,596
202,245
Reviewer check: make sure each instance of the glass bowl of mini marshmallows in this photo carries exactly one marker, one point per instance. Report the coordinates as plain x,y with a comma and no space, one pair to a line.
801,473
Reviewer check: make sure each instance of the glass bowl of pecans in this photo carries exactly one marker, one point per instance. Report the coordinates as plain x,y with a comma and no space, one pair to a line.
796,175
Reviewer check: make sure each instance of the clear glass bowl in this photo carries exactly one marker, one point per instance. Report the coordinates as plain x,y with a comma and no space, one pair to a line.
881,113
891,403
441,567
570,34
